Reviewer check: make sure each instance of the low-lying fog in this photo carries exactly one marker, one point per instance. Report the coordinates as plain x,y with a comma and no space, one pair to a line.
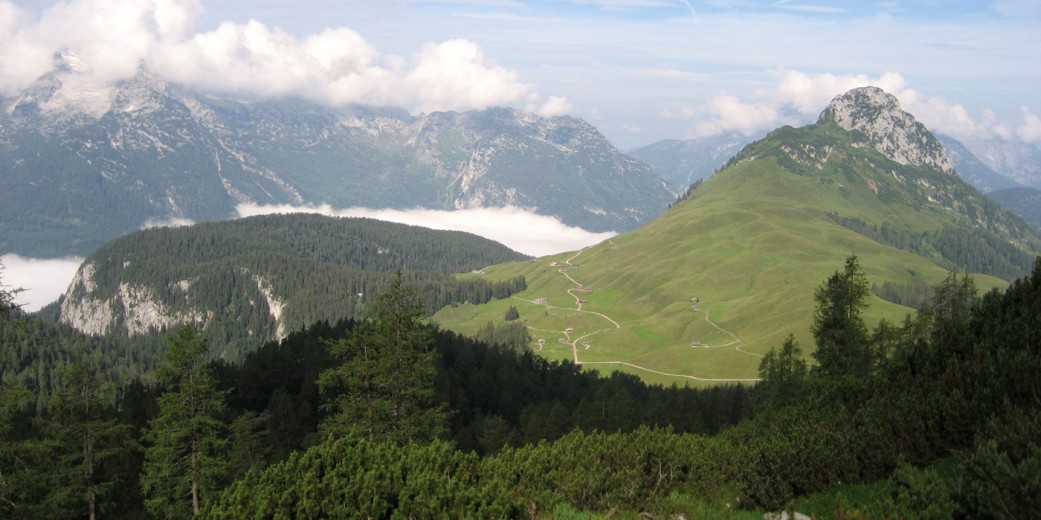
44,280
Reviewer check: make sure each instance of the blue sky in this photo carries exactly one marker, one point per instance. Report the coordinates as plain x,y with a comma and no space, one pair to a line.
641,70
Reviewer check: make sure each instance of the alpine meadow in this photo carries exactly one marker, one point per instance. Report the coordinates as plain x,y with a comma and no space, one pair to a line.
794,295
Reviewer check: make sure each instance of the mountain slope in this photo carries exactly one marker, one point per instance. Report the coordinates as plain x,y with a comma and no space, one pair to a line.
750,245
1017,160
82,164
1025,202
252,280
972,170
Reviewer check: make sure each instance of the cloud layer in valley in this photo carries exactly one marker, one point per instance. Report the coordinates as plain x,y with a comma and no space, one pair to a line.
521,230
42,281
45,280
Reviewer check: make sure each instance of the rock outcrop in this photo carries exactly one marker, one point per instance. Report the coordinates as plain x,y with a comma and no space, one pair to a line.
876,120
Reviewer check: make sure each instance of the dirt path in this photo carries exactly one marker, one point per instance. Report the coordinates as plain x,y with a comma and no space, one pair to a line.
694,378
574,342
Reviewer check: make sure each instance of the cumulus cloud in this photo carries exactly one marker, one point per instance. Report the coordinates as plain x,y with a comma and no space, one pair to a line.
519,229
43,280
554,106
338,66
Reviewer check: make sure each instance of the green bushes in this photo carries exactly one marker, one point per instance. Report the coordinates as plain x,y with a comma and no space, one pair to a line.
352,477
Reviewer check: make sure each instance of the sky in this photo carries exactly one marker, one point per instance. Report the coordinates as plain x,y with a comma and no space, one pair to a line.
640,70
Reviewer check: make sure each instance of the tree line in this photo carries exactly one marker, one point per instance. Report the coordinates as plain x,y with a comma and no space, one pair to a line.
977,250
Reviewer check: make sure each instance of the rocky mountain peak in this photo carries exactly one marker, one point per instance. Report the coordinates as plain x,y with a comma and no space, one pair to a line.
876,120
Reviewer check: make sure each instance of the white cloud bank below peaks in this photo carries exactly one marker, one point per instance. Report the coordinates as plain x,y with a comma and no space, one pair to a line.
114,38
519,229
44,280
41,281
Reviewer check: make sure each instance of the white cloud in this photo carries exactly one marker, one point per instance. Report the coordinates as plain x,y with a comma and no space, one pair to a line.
456,74
1030,130
519,229
336,66
166,222
729,114
44,280
554,106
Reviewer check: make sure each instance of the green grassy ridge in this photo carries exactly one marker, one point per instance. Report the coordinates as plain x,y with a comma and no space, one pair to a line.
752,243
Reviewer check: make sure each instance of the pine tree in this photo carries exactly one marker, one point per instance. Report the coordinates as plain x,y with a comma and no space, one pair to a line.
184,457
843,346
384,389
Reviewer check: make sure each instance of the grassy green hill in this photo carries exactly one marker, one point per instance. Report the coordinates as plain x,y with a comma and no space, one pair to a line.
751,244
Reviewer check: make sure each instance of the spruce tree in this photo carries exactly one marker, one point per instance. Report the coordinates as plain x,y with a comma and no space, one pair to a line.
784,375
843,346
512,313
184,459
384,389
87,439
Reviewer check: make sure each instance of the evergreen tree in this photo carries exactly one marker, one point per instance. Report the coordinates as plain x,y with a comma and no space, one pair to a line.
384,389
953,303
19,481
784,374
88,441
249,447
843,346
512,313
184,457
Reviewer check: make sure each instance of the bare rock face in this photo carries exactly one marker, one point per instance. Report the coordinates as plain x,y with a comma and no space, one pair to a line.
875,119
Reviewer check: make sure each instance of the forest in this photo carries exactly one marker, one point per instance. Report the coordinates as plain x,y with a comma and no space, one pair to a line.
385,417
256,278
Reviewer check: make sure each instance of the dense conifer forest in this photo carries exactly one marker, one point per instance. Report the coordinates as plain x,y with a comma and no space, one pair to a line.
942,412
248,280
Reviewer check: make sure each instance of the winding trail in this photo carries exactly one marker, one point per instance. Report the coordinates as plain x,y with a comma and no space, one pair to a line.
574,342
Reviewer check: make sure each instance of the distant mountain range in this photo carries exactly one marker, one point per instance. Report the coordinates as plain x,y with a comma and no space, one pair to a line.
1023,201
684,162
82,164
721,277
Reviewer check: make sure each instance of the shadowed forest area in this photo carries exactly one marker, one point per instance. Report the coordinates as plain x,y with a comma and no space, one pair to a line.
388,417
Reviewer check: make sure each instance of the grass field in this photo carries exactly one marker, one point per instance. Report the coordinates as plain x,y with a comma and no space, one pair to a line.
752,245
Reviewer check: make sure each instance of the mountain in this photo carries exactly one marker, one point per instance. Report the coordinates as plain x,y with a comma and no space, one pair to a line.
252,280
706,289
1023,201
972,170
85,163
1017,160
684,162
